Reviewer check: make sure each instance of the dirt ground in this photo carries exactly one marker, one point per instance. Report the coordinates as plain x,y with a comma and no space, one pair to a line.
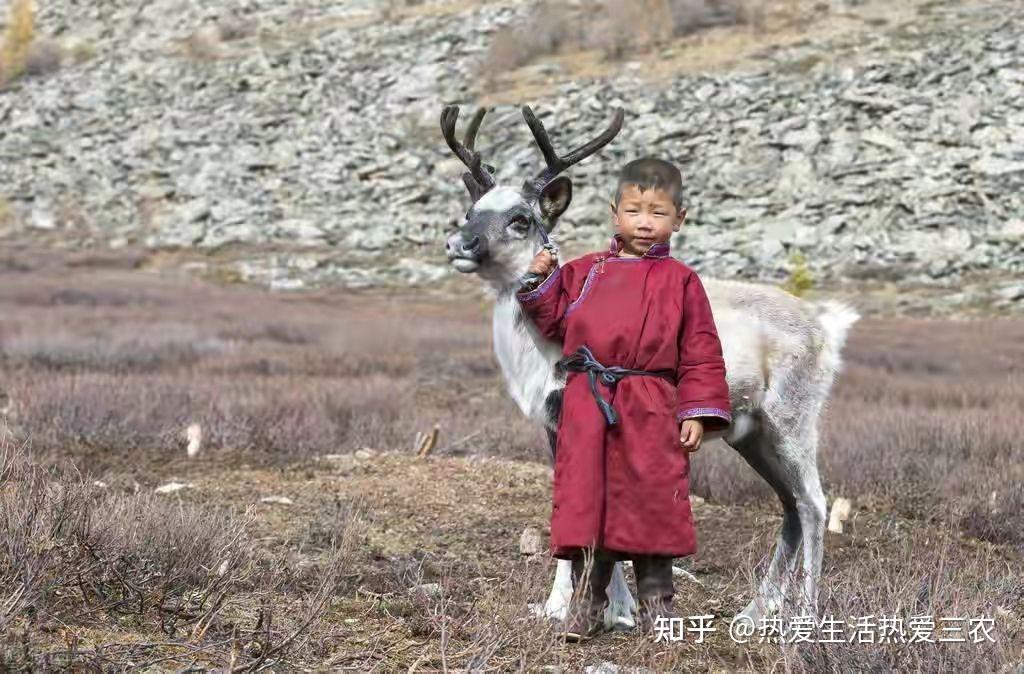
464,518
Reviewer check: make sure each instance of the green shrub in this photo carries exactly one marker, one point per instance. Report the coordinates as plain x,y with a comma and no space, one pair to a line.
800,278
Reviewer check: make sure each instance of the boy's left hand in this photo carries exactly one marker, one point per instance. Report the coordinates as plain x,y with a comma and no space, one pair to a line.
691,434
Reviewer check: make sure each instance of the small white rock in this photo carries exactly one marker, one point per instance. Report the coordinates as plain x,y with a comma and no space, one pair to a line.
365,453
683,573
841,509
426,589
99,483
276,500
223,568
172,487
194,438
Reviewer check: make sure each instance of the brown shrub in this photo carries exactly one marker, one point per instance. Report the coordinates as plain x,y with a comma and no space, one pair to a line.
111,368
923,419
690,16
25,53
234,27
615,27
44,56
546,31
71,549
113,418
391,9
476,618
74,554
471,618
933,577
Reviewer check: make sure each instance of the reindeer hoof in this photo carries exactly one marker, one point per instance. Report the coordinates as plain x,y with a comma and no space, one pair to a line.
619,616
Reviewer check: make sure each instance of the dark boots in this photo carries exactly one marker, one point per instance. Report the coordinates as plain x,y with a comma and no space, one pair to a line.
591,574
654,590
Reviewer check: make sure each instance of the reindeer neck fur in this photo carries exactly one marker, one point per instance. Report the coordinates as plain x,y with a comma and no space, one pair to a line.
526,357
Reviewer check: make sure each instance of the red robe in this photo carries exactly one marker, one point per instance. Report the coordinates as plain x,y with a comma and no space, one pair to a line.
625,487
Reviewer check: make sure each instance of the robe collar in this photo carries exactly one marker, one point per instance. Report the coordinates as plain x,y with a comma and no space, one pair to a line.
656,250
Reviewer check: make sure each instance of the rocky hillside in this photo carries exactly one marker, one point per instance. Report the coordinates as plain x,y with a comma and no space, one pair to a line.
311,127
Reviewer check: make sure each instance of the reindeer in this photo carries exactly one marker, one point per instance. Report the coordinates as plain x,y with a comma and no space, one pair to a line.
781,353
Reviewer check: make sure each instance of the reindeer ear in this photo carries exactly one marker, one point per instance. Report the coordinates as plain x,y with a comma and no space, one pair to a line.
555,197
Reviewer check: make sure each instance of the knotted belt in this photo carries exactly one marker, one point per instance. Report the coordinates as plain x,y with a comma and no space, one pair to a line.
583,361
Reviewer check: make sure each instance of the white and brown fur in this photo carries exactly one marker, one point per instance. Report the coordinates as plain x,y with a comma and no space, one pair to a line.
781,354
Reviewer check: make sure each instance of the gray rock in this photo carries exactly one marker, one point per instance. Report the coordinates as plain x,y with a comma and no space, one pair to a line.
370,238
183,225
217,235
1013,229
806,139
302,232
1013,292
418,272
997,166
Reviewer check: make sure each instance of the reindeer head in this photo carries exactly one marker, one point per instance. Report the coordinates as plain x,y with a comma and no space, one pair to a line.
505,226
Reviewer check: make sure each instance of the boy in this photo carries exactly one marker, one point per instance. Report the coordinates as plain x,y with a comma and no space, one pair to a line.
638,323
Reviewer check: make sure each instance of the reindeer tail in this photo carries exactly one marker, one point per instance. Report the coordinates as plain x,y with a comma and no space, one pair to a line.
835,319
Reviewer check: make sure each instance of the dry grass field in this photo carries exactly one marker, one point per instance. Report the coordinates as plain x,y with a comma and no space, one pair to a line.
309,535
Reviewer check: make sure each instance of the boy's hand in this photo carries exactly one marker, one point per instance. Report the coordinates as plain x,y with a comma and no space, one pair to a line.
542,264
691,434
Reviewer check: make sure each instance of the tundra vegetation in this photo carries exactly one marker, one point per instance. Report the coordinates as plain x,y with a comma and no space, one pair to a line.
307,531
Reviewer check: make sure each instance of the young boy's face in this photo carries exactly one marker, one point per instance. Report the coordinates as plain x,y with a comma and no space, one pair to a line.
643,219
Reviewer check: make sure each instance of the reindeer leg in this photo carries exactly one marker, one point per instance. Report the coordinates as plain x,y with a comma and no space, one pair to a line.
552,444
794,466
561,592
773,587
797,462
760,452
813,512
553,408
621,605
561,589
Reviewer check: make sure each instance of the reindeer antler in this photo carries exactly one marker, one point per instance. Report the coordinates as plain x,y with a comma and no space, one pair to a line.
480,177
557,164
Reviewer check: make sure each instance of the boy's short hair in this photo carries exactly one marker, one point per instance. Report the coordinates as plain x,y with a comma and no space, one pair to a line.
651,173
